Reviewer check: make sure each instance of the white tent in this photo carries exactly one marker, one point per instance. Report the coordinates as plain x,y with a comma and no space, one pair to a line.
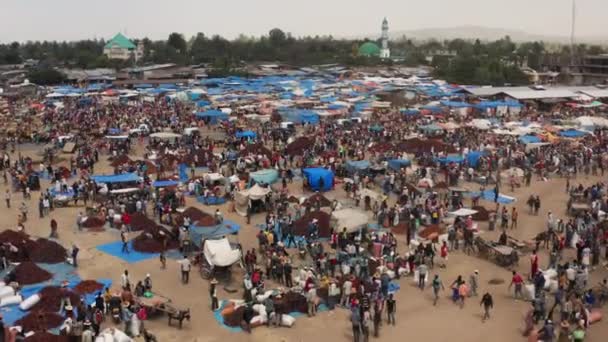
351,219
220,253
242,198
463,212
165,135
480,124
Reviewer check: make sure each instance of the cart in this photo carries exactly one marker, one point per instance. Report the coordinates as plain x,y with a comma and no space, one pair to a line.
504,256
157,305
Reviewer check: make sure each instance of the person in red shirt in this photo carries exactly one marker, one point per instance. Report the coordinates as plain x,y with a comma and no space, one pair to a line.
444,254
126,220
518,281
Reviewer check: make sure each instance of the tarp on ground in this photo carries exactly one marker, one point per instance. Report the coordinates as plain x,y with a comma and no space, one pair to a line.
397,164
357,165
164,183
197,234
473,157
314,175
351,219
529,139
121,178
267,176
220,253
246,134
572,133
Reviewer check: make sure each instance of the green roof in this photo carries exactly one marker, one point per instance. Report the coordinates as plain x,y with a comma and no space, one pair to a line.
120,41
369,49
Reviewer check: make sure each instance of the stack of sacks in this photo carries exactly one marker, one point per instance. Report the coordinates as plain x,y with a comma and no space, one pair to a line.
551,283
8,296
528,291
262,297
261,317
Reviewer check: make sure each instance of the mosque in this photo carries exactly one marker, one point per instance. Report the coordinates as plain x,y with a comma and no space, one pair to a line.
371,49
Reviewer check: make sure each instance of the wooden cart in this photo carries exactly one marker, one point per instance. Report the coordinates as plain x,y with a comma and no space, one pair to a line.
504,256
157,305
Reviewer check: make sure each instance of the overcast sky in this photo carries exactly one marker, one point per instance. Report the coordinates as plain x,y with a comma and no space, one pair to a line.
22,20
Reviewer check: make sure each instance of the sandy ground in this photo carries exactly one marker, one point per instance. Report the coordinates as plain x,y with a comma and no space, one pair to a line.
417,319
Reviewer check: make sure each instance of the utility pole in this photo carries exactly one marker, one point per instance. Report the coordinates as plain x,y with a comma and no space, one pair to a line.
572,29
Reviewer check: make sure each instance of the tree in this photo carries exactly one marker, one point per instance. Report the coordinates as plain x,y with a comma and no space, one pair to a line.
45,76
277,37
177,42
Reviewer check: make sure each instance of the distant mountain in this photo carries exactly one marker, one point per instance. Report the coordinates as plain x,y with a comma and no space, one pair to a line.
484,34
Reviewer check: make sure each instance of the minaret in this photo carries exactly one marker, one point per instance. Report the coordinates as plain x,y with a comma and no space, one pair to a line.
385,52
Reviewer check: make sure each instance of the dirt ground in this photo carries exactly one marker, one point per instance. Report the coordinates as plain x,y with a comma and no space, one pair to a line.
417,319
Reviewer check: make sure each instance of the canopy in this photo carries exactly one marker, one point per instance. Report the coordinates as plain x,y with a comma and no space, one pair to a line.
397,164
267,176
572,133
220,253
463,212
164,183
314,176
529,139
165,135
488,195
257,192
450,159
357,165
351,219
473,157
213,115
121,178
246,134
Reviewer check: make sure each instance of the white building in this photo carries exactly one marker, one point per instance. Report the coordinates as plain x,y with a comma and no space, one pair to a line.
385,52
120,47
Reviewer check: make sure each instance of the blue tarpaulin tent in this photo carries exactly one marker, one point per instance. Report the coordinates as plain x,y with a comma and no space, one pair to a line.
474,156
489,195
267,176
314,175
397,164
450,159
529,139
164,183
572,133
246,134
121,178
455,104
202,103
197,234
213,115
353,166
410,111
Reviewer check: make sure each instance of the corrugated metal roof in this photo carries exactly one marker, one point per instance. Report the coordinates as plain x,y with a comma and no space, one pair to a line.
531,94
596,92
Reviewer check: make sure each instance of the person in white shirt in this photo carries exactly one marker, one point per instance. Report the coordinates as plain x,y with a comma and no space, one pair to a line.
346,290
185,269
124,280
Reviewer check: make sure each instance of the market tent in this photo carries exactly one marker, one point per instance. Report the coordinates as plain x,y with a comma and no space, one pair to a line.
164,183
450,159
121,178
463,212
257,192
246,134
473,157
572,133
488,195
354,166
529,139
242,198
267,176
351,219
397,164
213,115
220,253
314,176
165,135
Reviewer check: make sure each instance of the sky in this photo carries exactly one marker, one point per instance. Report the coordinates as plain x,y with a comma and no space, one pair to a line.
22,20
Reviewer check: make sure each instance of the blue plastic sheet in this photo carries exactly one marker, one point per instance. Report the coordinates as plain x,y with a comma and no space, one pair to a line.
489,195
572,133
314,175
164,183
450,159
529,139
246,134
398,164
121,178
473,158
115,249
197,234
211,200
267,176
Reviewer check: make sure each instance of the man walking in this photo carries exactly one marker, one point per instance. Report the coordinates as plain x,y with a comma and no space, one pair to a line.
473,283
355,319
422,271
125,242
488,303
437,286
185,268
518,282
391,308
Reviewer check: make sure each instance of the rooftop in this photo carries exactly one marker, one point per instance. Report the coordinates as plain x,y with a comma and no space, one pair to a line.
120,41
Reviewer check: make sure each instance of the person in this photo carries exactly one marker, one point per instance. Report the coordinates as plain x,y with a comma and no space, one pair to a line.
547,332
125,242
311,297
444,254
79,222
355,320
148,282
488,303
346,290
377,320
365,323
463,291
514,215
213,295
391,308
7,198
23,210
473,283
518,282
437,286
533,264
163,260
422,270
124,280
218,217
54,234
75,251
185,268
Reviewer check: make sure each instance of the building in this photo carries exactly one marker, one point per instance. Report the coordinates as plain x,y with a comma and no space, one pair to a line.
385,52
369,49
591,70
120,47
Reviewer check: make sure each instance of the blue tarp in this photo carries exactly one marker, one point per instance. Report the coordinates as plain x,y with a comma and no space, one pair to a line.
357,165
213,115
164,183
202,103
211,200
69,193
397,164
267,176
473,158
488,195
572,133
529,139
410,111
494,104
115,249
197,234
246,134
455,104
314,175
450,159
183,174
121,178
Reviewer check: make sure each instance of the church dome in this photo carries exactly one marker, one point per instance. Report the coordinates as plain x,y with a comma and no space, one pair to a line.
369,49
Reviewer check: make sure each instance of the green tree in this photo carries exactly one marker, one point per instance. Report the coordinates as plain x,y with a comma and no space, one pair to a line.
177,42
45,76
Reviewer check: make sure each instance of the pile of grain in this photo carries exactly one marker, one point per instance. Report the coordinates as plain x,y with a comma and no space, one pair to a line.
36,321
93,222
50,299
88,286
28,273
140,222
298,146
300,226
48,251
46,337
